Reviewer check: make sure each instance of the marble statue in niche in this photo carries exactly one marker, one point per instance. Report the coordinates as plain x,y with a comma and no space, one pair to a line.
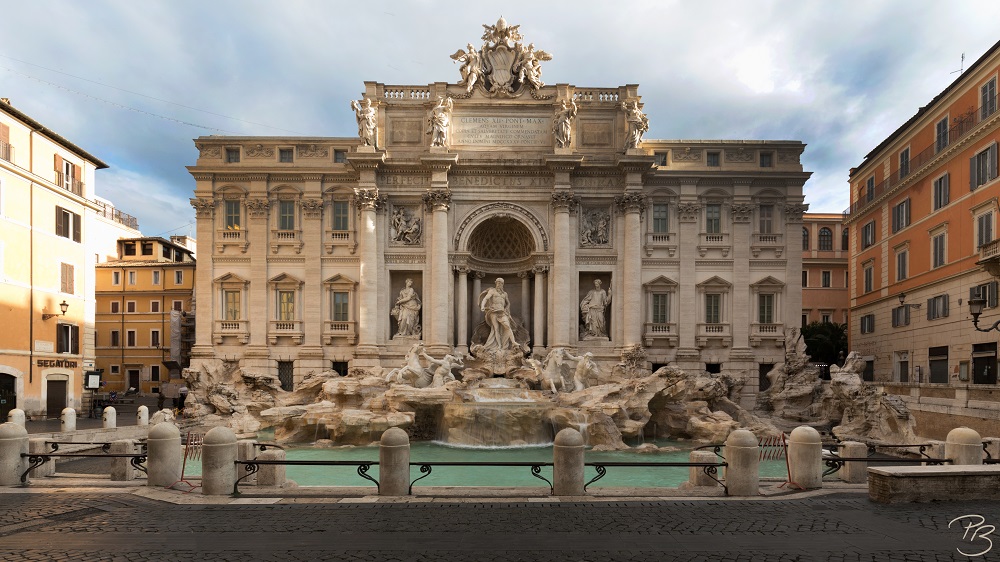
404,228
406,311
592,312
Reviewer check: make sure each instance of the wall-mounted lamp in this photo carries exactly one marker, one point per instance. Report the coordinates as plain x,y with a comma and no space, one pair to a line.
976,306
902,302
63,306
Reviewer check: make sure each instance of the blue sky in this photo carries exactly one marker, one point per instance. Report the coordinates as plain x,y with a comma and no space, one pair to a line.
128,80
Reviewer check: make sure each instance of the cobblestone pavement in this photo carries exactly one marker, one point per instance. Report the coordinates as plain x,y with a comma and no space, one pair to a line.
843,527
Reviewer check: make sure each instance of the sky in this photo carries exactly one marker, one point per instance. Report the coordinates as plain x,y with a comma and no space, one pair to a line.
135,81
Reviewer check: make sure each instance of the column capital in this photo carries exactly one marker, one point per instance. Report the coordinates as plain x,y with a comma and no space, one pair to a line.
257,208
461,269
369,199
688,212
631,202
793,212
564,199
742,212
312,208
437,199
203,207
523,274
540,269
478,274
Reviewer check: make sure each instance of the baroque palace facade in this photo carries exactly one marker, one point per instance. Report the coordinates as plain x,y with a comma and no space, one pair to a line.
343,252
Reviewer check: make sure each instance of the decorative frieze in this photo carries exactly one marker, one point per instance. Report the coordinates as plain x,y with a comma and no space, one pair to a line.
788,157
405,258
595,227
257,208
405,227
740,155
260,151
596,260
686,155
209,151
312,151
203,207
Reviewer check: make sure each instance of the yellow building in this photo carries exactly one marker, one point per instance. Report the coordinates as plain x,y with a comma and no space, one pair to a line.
46,266
144,311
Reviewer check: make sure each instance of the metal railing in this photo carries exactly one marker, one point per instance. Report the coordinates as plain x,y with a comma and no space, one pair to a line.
71,184
835,462
6,151
105,445
36,460
252,466
711,469
426,468
110,212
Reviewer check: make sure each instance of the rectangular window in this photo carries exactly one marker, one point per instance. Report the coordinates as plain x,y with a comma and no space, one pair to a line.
870,189
904,163
984,229
983,167
340,156
825,318
131,277
902,269
938,250
129,248
178,305
156,277
166,252
232,305
766,219
805,320
130,306
154,338
868,235
147,248
659,158
941,135
660,311
68,224
68,339
938,363
116,277
985,291
232,155
868,324
869,279
285,155
116,338
130,338
988,98
115,307
286,371
805,278
713,219
901,215
766,159
765,308
66,278
826,278
340,215
115,369
286,215
937,307
941,192
69,173
713,159
178,277
233,208
900,316
340,308
660,218
154,306
286,305
713,308
154,373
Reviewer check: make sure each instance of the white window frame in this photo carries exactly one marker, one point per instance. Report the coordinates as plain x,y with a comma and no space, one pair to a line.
154,306
868,235
155,274
941,192
155,338
115,307
131,277
826,279
131,336
130,307
116,278
867,323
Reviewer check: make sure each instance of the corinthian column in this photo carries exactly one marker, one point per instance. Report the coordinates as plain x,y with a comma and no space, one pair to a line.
462,342
629,292
561,324
368,202
438,200
538,336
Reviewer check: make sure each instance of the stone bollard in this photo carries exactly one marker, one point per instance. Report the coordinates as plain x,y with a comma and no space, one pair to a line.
165,456
245,450
67,420
41,446
993,446
743,459
16,416
963,446
142,416
110,417
805,457
394,463
855,472
274,474
218,462
567,463
121,467
696,474
13,442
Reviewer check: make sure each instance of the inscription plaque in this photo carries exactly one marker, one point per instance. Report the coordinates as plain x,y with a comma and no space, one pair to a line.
490,131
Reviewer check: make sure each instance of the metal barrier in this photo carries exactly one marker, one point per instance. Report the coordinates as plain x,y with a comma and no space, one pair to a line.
105,445
711,469
989,458
36,460
193,443
252,466
836,462
536,469
921,448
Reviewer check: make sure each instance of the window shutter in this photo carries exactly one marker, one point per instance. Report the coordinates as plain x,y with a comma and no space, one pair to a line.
993,294
58,163
59,218
930,304
906,315
4,133
77,172
74,337
972,174
76,227
993,161
944,308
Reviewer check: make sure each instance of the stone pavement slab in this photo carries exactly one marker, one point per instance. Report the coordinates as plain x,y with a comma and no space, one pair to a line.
91,526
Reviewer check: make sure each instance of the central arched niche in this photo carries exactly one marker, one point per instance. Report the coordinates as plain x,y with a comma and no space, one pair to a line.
501,239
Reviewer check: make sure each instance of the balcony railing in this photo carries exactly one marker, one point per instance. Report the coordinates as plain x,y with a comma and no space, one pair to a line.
659,240
989,257
767,331
660,331
962,126
230,237
6,152
280,328
339,329
716,240
712,331
771,241
109,212
334,238
291,238
234,328
70,184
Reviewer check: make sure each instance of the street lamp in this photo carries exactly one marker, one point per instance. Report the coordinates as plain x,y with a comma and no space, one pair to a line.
63,306
976,306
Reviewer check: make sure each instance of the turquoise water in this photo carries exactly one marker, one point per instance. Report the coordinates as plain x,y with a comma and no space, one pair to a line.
667,477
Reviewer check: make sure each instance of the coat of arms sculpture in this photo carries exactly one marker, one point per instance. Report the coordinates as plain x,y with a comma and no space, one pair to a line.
504,67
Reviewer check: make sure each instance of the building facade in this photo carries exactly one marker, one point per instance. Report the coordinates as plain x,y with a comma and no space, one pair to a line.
344,252
145,314
825,277
46,266
923,213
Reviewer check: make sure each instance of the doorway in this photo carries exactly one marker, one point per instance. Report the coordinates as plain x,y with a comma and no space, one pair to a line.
55,397
984,363
8,396
133,379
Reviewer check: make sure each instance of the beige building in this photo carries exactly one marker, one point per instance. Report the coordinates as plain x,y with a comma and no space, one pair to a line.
144,300
315,247
46,266
825,279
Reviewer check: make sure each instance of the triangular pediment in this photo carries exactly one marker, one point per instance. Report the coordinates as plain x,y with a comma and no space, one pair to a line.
661,282
231,278
715,281
340,280
768,282
285,279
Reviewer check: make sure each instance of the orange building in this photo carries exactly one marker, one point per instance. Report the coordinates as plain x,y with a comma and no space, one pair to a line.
144,314
923,213
824,269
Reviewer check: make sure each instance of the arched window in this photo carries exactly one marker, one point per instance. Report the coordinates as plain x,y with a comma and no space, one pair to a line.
825,239
805,238
845,239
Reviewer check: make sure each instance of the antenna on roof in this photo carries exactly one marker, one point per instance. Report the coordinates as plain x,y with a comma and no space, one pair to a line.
962,68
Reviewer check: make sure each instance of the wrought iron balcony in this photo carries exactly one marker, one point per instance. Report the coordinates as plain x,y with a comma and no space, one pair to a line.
6,152
70,184
989,257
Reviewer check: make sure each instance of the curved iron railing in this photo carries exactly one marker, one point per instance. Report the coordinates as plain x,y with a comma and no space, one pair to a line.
716,448
252,466
835,462
711,469
36,460
426,468
105,445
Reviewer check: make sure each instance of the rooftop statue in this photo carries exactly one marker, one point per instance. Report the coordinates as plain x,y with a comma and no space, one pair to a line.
637,121
367,116
503,67
439,121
